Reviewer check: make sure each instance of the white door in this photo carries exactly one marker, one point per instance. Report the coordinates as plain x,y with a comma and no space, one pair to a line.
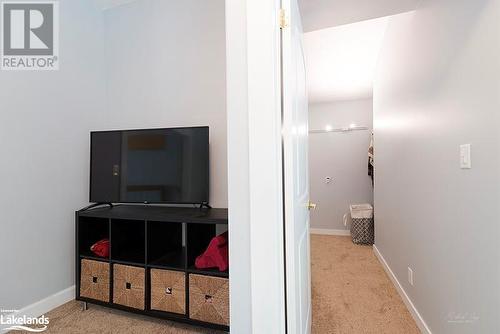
296,174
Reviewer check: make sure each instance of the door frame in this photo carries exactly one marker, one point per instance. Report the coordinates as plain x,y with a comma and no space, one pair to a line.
255,198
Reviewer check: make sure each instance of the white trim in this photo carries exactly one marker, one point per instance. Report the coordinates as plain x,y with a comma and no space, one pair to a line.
45,305
238,180
328,231
254,167
267,259
406,299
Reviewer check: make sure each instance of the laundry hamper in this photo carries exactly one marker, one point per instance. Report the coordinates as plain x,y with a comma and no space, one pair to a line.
362,229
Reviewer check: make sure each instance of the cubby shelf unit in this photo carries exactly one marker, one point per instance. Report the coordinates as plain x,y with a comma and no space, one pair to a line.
150,237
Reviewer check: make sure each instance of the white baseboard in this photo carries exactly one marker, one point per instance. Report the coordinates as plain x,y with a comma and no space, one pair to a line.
413,310
327,231
45,305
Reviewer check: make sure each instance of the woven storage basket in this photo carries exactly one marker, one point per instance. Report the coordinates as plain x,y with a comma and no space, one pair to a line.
362,227
209,299
94,280
168,291
128,286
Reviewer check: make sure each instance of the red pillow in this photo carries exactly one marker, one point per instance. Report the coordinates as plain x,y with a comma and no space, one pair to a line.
101,248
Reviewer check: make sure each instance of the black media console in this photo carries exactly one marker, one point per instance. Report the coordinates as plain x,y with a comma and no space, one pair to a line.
150,269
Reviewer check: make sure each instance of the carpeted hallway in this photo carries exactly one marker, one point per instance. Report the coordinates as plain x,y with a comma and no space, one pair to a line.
351,294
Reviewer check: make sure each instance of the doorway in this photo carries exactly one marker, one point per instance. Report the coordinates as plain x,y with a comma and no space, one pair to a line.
350,291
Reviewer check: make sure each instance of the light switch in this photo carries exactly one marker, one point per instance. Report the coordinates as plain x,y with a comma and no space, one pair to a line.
465,156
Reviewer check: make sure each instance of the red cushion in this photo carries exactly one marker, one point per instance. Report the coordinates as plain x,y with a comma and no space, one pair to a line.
101,248
216,255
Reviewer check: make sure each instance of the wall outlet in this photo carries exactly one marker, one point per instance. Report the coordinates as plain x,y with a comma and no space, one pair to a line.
410,276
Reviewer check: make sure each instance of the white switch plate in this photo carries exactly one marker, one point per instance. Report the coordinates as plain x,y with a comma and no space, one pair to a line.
410,276
465,156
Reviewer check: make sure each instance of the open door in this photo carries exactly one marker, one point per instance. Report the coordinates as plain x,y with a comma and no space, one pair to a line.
295,171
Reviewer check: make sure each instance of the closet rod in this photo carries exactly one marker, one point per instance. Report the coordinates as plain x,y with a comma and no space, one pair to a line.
349,129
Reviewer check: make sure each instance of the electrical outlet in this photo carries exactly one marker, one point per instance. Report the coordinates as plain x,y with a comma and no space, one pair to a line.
410,276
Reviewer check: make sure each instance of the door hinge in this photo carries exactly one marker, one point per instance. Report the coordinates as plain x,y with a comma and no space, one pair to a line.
283,19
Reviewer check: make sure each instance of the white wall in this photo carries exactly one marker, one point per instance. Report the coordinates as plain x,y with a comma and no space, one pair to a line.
45,119
165,67
151,64
341,156
438,87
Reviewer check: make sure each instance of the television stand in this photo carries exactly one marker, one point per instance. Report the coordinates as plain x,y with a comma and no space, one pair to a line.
150,267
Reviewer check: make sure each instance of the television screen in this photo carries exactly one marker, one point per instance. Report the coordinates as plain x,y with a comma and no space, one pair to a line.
150,166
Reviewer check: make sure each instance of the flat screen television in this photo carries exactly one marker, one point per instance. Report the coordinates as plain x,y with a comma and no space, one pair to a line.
150,166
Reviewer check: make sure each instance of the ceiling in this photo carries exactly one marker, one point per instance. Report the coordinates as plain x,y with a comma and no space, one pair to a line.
320,14
341,61
106,4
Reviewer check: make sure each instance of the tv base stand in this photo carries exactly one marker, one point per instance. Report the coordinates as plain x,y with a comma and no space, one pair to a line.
205,205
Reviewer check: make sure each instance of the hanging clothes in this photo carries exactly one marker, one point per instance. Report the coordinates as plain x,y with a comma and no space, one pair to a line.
370,159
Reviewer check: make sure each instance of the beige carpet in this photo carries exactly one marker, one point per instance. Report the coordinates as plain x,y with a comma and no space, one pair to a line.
351,292
70,319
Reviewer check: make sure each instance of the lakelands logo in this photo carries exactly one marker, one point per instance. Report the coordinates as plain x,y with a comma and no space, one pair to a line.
30,35
24,323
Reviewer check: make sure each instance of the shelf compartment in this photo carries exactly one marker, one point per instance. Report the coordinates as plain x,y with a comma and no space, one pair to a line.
209,299
166,245
93,257
208,272
198,239
129,286
94,280
168,291
90,231
128,241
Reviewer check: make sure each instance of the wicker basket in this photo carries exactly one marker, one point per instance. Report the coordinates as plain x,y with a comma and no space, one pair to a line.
94,280
168,291
128,286
209,299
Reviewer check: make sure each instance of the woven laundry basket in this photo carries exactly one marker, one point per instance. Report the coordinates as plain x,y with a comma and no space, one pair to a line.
209,299
168,291
362,227
128,286
94,280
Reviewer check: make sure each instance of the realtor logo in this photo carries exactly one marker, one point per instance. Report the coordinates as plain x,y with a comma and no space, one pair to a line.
30,35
